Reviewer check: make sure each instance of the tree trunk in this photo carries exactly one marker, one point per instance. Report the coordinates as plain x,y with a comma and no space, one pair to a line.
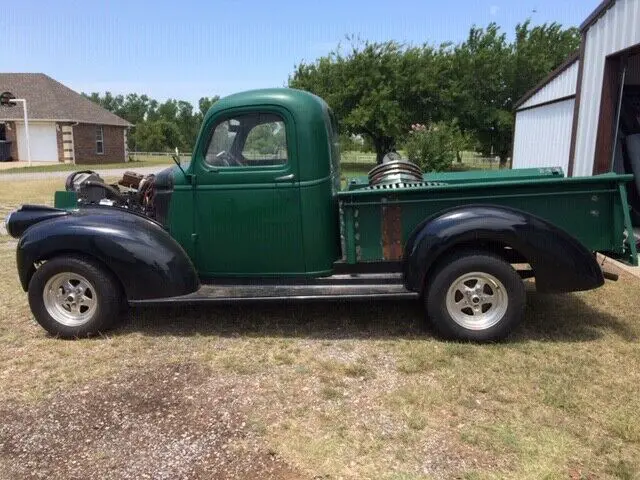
504,156
383,145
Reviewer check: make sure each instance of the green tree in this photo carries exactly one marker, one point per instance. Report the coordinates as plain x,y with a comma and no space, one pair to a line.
376,89
536,52
488,75
135,108
157,136
379,89
205,103
175,119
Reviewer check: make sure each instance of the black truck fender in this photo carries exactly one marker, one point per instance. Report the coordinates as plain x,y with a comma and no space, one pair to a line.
145,259
559,262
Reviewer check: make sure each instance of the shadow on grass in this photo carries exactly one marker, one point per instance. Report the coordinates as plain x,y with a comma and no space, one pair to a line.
552,318
569,317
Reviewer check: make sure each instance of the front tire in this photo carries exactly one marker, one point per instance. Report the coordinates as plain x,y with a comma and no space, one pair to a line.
475,296
74,297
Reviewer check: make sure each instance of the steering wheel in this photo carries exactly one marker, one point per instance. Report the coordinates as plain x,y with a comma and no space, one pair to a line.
227,159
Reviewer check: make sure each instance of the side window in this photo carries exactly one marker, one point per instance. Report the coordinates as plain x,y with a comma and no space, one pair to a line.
99,140
251,140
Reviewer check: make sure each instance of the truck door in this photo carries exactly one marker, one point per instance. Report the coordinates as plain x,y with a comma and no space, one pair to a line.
247,197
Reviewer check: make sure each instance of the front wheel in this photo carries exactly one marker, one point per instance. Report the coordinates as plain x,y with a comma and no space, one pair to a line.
74,297
475,296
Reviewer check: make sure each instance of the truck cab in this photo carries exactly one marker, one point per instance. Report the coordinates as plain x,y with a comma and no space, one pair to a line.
260,195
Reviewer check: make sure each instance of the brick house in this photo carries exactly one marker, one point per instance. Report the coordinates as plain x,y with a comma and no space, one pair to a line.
63,125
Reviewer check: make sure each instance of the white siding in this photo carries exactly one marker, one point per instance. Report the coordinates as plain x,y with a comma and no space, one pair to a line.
614,31
561,86
543,136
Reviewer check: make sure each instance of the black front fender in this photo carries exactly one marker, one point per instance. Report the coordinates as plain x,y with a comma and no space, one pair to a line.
559,261
147,261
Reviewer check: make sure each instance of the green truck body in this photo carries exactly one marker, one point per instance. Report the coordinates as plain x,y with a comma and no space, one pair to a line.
286,224
291,227
591,209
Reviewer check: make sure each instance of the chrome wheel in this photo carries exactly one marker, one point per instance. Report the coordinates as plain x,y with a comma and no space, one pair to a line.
477,300
70,299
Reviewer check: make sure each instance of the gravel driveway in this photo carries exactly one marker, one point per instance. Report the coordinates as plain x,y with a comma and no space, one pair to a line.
116,172
170,421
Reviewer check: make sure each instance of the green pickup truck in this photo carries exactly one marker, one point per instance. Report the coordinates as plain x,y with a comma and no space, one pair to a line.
261,214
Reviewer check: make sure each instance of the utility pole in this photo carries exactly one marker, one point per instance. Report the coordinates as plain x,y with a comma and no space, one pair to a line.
26,124
7,99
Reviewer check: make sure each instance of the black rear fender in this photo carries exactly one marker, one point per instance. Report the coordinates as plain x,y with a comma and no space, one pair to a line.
559,261
146,260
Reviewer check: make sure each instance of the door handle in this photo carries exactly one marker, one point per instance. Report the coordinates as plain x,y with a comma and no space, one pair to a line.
285,178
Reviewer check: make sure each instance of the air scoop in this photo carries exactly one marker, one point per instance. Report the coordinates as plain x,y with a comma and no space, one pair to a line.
395,171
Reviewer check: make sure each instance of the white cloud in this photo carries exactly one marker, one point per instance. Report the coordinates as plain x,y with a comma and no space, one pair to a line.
493,10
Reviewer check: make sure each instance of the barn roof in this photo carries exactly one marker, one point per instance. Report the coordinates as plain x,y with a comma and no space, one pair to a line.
570,60
596,14
48,99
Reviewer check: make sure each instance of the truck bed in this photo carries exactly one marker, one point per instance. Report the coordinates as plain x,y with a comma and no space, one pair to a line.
376,221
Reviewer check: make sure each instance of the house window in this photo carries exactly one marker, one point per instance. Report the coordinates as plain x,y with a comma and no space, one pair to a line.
99,140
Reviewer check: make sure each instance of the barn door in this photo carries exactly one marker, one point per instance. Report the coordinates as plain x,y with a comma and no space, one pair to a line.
616,121
615,68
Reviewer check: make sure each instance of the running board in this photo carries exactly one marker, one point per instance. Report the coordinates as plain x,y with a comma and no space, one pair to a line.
236,293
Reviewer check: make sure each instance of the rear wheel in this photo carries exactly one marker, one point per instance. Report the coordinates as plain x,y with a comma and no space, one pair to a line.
74,297
475,296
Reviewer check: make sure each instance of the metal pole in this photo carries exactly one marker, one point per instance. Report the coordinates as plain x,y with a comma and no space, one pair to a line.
26,125
616,126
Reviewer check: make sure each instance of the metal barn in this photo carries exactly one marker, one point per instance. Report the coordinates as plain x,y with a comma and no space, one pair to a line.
585,116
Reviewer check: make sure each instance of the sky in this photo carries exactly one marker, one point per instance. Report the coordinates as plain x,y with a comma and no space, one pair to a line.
189,49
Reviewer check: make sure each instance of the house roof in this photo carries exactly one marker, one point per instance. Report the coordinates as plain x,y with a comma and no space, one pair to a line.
570,60
48,99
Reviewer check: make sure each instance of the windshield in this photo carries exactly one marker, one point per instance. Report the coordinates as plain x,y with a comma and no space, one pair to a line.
334,140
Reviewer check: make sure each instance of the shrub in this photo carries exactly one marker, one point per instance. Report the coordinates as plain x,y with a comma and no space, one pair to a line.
433,147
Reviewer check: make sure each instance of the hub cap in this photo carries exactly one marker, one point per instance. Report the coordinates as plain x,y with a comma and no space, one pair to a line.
477,300
70,299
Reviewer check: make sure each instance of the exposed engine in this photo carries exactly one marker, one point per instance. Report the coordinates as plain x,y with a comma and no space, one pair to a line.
133,192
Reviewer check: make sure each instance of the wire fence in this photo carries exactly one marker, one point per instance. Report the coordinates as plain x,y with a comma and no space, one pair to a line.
469,160
157,157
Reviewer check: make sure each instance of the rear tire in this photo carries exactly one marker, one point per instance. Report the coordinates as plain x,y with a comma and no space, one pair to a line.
74,297
475,296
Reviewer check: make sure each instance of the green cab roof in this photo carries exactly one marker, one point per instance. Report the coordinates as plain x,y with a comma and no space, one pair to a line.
298,102
311,130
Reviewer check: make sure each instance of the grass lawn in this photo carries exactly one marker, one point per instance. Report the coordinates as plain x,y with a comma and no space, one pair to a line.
64,167
360,162
344,390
